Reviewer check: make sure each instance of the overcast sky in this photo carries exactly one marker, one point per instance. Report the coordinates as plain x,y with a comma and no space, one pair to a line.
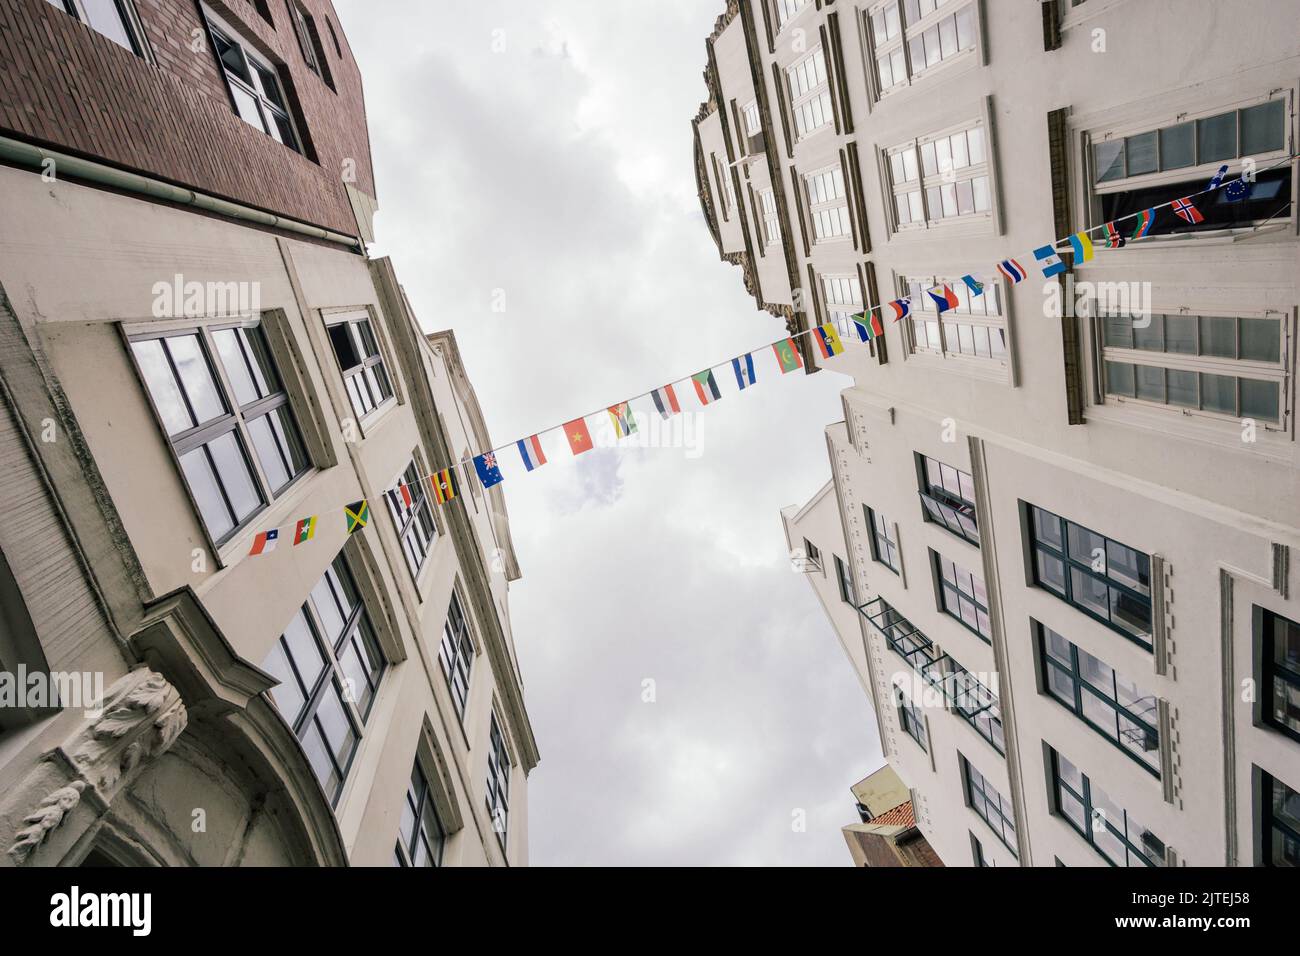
543,148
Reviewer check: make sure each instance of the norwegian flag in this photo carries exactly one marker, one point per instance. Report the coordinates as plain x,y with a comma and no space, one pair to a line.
1187,212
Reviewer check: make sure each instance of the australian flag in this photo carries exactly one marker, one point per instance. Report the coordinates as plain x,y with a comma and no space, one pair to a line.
488,471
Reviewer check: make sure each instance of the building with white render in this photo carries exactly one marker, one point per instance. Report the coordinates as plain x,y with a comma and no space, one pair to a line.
1058,543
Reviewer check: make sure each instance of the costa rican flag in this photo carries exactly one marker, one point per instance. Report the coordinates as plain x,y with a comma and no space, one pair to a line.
530,450
1012,271
1186,211
666,401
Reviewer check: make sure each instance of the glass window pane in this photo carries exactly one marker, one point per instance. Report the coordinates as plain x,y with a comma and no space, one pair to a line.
1176,146
1263,128
207,495
960,155
1051,572
1261,340
1219,393
345,347
965,198
335,725
286,433
1259,399
1128,567
966,28
236,479
231,57
980,184
196,377
1149,336
975,143
1150,383
105,17
237,370
303,650
1216,138
1108,158
158,378
1088,547
1182,388
1180,334
287,695
313,744
1141,151
1090,593
1047,529
247,106
274,465
1219,336
1117,331
1119,378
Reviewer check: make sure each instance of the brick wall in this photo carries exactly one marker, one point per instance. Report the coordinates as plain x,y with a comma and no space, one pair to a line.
64,85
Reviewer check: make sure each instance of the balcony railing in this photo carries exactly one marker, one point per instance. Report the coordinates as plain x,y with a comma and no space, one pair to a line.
969,698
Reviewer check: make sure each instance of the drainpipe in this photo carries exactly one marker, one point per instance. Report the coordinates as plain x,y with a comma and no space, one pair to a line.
34,157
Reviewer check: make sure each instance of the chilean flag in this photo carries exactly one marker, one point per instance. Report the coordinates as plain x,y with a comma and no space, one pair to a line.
265,541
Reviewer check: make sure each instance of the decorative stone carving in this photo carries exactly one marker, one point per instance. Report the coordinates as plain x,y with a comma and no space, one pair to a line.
141,716
45,818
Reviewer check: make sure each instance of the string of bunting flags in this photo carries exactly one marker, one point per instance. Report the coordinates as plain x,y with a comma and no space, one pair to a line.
445,484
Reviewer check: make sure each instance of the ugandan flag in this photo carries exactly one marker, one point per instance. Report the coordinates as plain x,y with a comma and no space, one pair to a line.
445,486
357,515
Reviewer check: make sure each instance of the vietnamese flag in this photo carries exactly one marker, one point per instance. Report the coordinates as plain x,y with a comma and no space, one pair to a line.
579,437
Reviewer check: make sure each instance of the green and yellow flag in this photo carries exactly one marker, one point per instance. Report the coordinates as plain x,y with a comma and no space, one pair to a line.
358,515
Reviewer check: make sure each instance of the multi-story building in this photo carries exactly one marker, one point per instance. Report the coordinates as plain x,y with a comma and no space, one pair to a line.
886,834
1062,537
195,349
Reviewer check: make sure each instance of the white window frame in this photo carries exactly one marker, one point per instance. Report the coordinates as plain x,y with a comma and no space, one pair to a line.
252,57
332,317
131,23
996,366
753,121
828,205
771,217
842,293
931,24
814,88
953,166
1200,172
787,11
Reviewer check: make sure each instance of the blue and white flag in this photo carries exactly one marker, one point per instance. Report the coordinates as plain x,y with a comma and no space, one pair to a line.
744,369
489,473
1050,261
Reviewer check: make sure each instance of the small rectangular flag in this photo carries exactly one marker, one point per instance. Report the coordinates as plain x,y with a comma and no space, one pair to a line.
944,299
578,435
445,485
1144,221
1113,238
358,515
1051,262
706,386
868,325
787,355
489,473
405,493
828,340
1217,181
530,450
1012,271
1236,191
902,308
1081,243
744,369
665,400
394,499
265,541
304,530
1187,211
624,422
976,287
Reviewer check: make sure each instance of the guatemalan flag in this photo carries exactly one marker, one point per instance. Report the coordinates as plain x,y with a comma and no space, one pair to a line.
530,450
1050,261
665,400
743,366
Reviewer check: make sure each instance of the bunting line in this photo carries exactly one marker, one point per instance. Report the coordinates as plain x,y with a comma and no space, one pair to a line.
445,483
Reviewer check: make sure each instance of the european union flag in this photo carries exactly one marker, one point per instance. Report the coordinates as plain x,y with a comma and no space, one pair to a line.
488,471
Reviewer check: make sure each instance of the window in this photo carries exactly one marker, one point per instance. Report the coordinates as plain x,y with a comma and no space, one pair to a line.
357,351
843,294
1280,823
810,95
1280,658
421,835
962,596
253,83
1110,829
1157,165
993,808
498,781
313,53
329,666
909,39
848,593
1111,705
1224,366
771,221
786,9
753,125
814,556
977,852
114,19
949,183
948,497
828,207
975,704
884,547
214,412
975,329
726,186
1108,581
456,654
911,718
414,522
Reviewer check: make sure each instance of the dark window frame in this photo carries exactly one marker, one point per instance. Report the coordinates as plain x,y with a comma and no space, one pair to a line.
368,384
498,781
1273,672
421,807
944,507
456,652
844,578
1091,813
979,793
1074,675
911,719
1071,564
264,70
1271,826
943,589
415,525
132,26
884,552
